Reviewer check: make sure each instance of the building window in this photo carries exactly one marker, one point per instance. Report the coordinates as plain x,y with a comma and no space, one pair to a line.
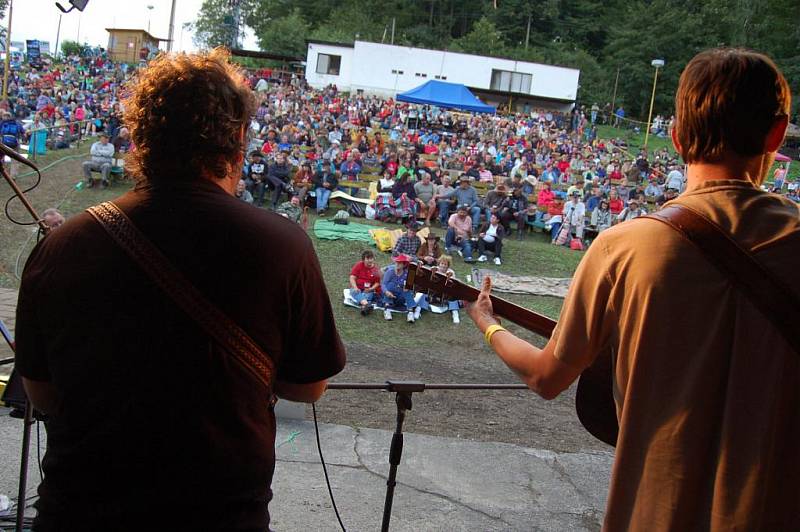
328,64
503,80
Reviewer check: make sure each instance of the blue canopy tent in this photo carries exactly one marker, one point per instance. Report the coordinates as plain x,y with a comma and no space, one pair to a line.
448,95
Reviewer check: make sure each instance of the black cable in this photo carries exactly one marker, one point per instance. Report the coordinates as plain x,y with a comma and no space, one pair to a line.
325,468
8,202
39,451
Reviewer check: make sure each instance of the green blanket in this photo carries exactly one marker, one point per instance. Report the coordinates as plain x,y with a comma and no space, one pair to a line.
327,230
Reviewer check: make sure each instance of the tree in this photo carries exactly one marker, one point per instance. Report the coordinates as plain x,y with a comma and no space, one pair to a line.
357,19
484,39
216,23
283,35
72,48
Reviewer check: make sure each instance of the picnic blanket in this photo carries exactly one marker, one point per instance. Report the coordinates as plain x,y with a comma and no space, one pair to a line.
327,230
350,302
523,284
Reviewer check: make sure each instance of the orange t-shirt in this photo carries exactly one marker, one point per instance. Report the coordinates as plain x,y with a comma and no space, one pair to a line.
707,389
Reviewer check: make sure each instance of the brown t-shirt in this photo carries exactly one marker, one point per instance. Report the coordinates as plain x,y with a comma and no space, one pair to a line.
156,424
707,390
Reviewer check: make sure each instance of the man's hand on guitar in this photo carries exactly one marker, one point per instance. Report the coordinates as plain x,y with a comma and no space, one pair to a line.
481,310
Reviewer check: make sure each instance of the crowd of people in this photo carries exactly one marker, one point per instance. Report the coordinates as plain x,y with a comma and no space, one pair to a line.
482,178
470,173
53,106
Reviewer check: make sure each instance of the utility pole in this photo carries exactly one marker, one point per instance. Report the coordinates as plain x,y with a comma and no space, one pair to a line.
171,35
8,50
236,14
614,97
528,31
58,35
394,20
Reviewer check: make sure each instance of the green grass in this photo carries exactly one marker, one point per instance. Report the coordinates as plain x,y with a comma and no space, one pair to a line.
532,256
635,140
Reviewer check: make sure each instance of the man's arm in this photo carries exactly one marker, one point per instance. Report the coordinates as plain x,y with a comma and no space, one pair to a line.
538,368
301,393
43,395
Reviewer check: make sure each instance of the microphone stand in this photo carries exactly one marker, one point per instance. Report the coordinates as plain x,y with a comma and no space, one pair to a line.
28,413
404,390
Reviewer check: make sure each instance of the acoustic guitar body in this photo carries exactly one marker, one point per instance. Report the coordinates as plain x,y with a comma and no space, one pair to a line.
594,400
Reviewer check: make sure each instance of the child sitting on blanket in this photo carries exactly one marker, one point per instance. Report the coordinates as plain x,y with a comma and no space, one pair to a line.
365,281
443,266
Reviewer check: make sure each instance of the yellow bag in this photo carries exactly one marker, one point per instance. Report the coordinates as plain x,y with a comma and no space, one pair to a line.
383,239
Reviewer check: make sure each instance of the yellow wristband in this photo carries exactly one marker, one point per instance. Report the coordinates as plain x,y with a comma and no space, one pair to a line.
490,330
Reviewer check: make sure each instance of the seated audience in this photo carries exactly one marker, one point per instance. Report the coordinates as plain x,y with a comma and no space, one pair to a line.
291,209
365,281
408,244
242,193
490,238
459,233
102,153
602,217
443,266
395,295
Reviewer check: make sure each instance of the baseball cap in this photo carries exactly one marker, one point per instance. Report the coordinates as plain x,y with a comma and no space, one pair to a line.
402,258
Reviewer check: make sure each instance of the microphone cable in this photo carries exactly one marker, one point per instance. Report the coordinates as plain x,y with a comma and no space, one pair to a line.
325,468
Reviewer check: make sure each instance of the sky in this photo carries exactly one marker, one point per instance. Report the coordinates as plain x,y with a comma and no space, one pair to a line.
38,19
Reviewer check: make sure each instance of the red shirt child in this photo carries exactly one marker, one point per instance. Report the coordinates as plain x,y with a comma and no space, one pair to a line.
366,275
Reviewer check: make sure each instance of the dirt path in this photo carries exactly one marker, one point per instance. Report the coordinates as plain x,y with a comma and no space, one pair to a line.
519,417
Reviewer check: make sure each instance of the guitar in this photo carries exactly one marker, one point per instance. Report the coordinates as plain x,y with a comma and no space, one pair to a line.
594,400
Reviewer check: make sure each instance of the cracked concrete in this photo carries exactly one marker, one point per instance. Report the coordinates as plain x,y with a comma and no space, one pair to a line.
443,483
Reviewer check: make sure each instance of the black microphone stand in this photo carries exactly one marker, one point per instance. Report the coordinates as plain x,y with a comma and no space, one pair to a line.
404,390
28,408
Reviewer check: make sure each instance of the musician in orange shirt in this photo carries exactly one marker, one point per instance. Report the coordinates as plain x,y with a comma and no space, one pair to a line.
704,382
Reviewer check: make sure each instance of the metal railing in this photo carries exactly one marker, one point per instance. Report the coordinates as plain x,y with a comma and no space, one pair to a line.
42,139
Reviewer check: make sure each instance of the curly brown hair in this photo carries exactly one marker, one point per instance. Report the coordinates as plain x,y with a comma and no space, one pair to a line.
187,115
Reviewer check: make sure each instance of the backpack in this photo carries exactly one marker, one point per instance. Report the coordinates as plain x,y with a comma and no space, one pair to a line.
9,132
356,209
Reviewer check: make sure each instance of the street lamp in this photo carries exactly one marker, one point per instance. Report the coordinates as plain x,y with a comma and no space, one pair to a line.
657,63
149,16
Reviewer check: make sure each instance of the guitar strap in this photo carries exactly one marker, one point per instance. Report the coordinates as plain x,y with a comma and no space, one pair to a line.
224,331
767,293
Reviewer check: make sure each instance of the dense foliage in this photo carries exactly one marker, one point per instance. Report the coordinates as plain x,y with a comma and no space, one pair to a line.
599,37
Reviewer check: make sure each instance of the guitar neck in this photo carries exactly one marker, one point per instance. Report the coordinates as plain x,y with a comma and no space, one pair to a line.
424,279
523,317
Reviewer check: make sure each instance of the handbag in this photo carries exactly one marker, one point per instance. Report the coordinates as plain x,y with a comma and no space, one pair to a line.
224,331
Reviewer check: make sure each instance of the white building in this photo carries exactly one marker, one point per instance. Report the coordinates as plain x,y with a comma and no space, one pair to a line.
385,70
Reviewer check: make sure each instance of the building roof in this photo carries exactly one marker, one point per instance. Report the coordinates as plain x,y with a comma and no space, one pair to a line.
352,45
331,43
110,30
